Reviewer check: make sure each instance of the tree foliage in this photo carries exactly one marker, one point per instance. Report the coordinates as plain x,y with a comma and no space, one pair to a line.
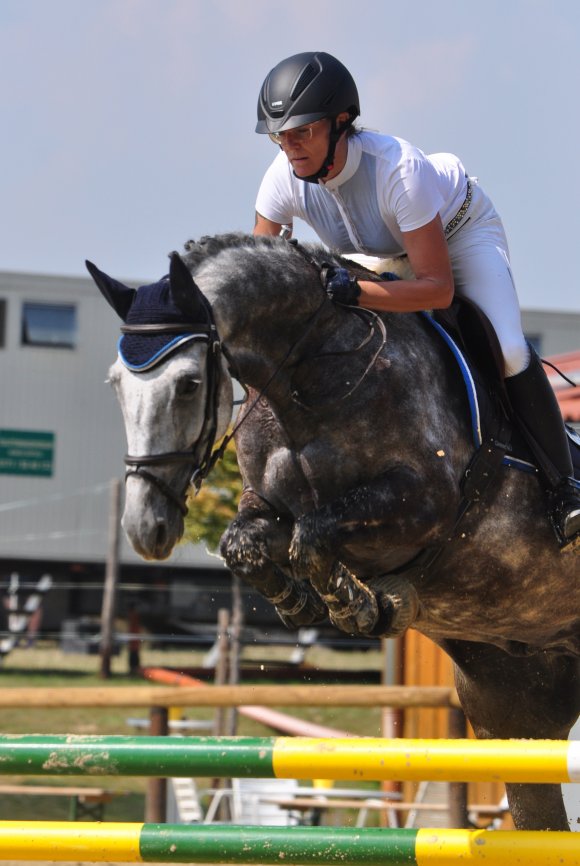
216,503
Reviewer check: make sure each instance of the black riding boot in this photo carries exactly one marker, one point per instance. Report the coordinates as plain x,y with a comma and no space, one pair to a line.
536,408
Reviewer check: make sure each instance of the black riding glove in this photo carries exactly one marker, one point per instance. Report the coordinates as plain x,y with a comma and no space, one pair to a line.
340,286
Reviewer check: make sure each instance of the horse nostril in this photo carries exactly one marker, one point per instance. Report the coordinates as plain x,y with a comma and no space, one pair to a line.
161,535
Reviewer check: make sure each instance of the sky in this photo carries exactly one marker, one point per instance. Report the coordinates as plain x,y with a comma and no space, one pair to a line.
127,126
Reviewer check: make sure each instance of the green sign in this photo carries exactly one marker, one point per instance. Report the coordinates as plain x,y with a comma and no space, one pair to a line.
26,452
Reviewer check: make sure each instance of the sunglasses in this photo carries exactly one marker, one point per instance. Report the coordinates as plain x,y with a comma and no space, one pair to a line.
300,135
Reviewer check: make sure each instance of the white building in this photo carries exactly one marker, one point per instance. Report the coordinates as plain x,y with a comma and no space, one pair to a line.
62,442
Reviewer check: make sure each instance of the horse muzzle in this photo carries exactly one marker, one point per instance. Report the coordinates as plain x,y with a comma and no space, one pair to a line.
152,520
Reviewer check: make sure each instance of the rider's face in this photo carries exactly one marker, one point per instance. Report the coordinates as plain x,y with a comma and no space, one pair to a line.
306,147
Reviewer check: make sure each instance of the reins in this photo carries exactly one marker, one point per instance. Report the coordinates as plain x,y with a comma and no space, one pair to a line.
202,455
218,453
374,320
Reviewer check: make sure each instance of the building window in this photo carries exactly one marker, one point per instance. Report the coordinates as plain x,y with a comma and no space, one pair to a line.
2,323
53,325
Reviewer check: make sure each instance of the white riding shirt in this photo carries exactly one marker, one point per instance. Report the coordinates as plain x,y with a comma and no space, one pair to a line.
387,187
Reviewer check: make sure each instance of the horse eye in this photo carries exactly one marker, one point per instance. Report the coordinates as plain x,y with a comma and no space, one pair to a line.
187,387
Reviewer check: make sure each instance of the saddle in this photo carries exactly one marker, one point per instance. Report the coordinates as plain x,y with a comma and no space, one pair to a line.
472,339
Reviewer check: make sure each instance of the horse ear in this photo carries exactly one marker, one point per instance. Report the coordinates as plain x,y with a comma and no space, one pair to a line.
120,297
186,294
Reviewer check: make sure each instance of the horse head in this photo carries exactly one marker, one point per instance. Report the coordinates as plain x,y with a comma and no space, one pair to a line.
173,413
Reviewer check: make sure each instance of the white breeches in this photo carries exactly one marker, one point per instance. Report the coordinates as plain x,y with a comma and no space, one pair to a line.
481,270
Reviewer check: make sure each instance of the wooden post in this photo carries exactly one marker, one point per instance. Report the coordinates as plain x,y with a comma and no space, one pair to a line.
235,650
111,579
393,674
458,811
392,719
224,812
156,799
221,666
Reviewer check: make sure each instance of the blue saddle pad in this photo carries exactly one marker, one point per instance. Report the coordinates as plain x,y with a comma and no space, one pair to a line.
482,418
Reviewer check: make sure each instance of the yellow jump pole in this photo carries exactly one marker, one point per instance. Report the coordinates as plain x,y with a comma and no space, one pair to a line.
298,846
349,759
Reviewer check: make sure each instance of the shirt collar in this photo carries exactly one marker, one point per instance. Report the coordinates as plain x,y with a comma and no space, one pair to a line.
353,158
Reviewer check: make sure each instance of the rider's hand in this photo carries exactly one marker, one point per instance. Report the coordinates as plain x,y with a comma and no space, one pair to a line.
340,286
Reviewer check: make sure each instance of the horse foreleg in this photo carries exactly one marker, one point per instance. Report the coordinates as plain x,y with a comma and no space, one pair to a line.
255,547
352,606
395,511
532,697
386,609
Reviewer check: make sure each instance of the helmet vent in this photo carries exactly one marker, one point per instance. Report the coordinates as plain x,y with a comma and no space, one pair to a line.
308,74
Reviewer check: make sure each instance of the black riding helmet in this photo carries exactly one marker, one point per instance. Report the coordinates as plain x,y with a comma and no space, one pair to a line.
304,88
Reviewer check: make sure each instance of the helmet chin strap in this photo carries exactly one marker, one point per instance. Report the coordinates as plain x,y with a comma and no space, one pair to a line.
335,133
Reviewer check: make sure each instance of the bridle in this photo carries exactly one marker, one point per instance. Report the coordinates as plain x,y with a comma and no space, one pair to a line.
200,455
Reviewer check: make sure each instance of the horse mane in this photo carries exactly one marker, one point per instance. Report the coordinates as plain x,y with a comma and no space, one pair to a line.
209,246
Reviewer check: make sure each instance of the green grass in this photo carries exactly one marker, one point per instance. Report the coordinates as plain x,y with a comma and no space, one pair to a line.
128,806
48,666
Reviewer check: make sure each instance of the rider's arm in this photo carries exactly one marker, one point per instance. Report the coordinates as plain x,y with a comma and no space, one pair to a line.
264,226
433,287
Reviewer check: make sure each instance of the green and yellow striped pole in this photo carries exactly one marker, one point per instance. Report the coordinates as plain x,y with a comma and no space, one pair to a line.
368,759
308,846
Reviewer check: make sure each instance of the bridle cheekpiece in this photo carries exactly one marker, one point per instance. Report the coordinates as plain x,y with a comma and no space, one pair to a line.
199,455
158,320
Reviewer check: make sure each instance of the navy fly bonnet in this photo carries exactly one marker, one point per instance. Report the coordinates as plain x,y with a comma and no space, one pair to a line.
154,305
158,318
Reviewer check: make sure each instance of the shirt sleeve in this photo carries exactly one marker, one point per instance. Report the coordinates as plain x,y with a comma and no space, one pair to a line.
413,194
275,199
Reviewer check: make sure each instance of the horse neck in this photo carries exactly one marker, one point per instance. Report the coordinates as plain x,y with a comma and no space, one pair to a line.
270,348
263,323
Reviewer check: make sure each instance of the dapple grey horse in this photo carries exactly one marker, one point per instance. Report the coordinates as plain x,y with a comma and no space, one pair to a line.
356,448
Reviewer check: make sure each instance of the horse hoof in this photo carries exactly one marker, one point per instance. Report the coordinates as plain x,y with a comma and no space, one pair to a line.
359,616
398,604
307,609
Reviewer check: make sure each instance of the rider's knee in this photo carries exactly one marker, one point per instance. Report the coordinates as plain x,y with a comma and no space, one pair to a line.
516,356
